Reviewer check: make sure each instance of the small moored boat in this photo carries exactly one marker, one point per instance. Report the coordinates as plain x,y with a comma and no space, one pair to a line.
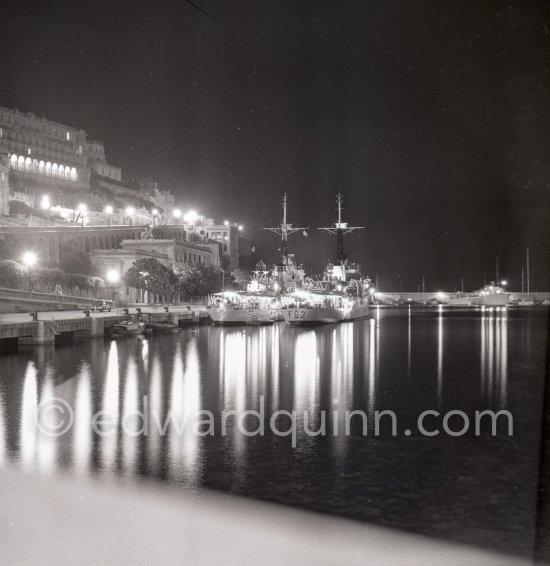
491,296
126,328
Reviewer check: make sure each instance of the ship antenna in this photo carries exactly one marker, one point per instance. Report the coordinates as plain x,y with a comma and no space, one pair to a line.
285,230
340,229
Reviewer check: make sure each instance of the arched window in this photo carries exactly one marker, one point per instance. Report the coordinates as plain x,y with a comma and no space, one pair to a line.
54,170
35,165
74,176
21,163
41,167
28,164
67,173
48,169
61,172
13,161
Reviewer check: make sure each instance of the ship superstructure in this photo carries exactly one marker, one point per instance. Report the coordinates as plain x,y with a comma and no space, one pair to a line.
342,293
266,293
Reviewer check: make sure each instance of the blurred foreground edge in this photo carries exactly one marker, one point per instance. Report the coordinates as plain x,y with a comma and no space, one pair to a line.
66,521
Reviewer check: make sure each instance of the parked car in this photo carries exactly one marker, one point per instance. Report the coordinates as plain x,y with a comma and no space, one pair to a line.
101,306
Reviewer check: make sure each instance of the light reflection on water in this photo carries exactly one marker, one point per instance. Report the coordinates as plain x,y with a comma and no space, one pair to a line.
154,439
28,429
46,444
82,431
406,361
110,408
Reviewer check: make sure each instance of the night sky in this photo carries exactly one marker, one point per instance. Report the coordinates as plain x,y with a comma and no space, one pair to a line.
431,117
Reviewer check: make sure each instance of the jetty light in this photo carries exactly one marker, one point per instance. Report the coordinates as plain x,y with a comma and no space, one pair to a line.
504,282
29,259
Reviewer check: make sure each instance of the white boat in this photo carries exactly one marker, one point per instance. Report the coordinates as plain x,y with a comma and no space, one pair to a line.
126,328
490,296
341,295
459,300
230,307
322,308
264,297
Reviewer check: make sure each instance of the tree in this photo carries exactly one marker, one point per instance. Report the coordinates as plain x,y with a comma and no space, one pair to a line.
96,283
48,278
12,274
197,279
151,275
194,238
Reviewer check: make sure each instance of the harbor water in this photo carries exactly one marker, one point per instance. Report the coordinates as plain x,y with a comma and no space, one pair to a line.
477,487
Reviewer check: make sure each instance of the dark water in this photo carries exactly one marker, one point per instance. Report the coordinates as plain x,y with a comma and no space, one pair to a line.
475,488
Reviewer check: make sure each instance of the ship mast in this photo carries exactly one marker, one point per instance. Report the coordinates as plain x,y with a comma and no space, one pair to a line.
340,229
284,230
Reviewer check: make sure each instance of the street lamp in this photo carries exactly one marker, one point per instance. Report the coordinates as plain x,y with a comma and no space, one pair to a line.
29,259
109,211
504,282
176,214
82,209
226,222
45,204
130,211
241,227
191,217
113,277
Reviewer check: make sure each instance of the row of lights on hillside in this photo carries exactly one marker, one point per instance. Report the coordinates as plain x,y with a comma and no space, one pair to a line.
191,217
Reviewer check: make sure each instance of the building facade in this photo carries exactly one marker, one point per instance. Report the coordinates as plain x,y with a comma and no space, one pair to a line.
4,179
178,251
43,153
47,157
97,161
172,253
227,235
162,200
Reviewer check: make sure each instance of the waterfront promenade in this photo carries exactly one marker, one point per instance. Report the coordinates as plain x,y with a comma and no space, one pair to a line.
54,326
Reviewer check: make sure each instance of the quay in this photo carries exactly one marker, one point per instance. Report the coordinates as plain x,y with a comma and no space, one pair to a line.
59,327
